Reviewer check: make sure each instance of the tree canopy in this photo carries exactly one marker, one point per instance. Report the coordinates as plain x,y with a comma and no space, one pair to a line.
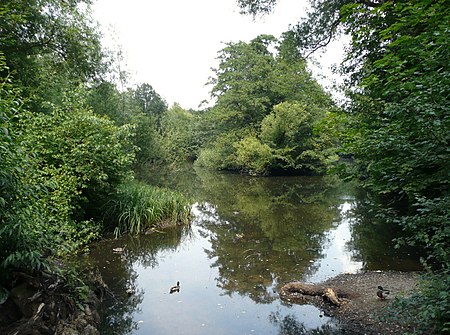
397,120
49,46
259,86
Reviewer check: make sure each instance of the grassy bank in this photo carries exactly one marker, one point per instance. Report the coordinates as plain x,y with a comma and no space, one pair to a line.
139,207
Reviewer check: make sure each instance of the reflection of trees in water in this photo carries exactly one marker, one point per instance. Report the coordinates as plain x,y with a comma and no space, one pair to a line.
372,240
124,299
278,223
120,307
289,325
265,231
145,249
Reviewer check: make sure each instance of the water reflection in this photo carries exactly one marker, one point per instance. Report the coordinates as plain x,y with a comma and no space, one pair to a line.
338,255
372,241
116,260
201,306
266,231
289,325
248,237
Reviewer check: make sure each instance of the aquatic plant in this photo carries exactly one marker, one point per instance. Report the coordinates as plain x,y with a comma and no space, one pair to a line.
139,207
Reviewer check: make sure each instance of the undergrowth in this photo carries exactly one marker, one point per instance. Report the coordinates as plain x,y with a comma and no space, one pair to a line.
427,310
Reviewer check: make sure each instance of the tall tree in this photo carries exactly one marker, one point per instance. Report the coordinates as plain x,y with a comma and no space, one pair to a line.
241,81
141,107
257,83
398,75
49,44
253,77
150,102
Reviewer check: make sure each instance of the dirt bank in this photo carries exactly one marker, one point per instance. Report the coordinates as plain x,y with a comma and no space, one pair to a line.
42,304
359,310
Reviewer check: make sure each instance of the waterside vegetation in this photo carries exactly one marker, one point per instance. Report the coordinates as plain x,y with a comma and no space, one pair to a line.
396,122
69,143
73,132
138,208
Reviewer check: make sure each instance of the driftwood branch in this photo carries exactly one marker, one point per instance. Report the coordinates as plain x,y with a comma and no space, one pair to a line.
331,296
299,292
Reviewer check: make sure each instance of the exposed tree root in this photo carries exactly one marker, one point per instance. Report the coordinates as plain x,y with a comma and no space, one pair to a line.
41,304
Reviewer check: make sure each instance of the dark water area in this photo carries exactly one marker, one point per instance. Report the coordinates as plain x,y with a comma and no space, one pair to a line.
247,238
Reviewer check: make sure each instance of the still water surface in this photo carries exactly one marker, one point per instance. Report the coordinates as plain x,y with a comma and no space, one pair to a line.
248,237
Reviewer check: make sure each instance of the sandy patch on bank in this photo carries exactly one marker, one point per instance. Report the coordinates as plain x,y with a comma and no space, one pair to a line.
354,303
359,314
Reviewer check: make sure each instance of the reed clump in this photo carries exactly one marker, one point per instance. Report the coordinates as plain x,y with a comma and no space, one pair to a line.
139,207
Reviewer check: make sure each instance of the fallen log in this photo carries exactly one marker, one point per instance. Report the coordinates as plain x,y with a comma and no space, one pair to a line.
299,292
331,296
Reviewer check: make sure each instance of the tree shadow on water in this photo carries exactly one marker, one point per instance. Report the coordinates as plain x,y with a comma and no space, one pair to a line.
289,325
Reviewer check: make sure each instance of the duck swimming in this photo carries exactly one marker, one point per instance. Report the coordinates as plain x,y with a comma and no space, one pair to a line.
382,293
175,288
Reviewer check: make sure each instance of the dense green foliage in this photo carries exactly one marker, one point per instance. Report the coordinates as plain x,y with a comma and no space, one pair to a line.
426,310
90,151
18,208
140,107
261,87
37,198
402,109
50,46
398,118
69,139
150,102
181,138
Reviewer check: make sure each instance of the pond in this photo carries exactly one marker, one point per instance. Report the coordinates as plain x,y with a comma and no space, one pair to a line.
248,237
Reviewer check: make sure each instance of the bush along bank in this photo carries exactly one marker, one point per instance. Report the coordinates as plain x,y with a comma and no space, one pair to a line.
58,170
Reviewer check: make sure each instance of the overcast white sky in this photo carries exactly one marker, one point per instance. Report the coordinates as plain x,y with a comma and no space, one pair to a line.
172,44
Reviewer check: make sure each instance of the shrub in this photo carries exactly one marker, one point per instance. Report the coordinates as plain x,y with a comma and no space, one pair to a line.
427,310
220,154
253,156
147,139
21,242
289,125
429,227
36,199
77,144
181,137
299,139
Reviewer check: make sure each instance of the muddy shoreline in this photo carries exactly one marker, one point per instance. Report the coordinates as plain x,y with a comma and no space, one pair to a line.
42,304
53,312
361,310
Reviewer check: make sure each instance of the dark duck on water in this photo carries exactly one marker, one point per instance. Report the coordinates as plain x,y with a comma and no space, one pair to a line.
175,288
382,293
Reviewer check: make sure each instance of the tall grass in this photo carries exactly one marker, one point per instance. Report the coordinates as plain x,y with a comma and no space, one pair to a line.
139,207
